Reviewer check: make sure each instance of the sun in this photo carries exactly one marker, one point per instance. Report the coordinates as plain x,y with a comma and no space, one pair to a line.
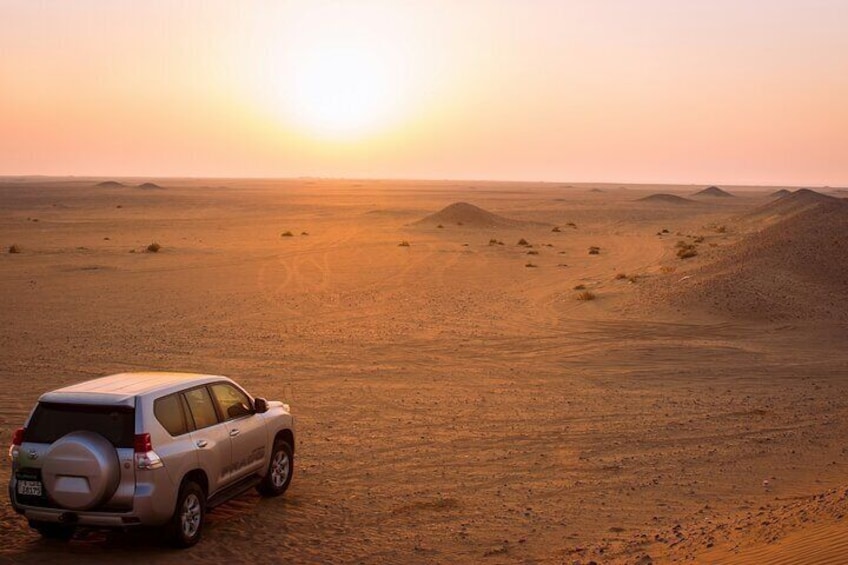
335,71
339,92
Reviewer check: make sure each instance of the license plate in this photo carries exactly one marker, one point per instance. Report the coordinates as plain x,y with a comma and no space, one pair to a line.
29,488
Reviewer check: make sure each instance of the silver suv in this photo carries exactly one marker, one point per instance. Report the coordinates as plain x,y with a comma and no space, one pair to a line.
146,449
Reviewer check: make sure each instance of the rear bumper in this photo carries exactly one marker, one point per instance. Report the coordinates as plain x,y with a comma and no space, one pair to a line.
148,509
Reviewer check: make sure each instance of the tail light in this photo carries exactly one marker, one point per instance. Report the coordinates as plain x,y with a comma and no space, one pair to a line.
17,440
145,457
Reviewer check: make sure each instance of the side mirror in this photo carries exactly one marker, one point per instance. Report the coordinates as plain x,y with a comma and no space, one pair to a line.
260,405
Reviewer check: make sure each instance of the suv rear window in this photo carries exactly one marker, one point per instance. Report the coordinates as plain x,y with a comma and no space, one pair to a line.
169,411
50,421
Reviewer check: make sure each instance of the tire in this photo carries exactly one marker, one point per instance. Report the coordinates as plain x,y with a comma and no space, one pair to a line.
187,522
53,530
280,470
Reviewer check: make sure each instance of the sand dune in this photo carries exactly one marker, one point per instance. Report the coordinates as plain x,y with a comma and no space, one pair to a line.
794,268
470,216
792,203
666,199
713,191
110,184
780,193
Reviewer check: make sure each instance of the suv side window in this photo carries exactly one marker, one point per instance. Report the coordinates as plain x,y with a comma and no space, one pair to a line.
169,411
201,407
232,403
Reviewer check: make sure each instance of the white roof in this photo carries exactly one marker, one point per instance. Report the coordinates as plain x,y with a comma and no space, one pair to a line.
122,388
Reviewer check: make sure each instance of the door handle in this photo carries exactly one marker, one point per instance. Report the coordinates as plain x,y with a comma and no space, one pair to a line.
234,433
202,443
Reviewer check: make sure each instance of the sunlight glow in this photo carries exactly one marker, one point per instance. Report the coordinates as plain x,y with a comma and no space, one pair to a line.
339,92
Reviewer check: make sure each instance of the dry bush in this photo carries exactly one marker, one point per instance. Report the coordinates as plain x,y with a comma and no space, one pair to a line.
532,252
304,233
14,248
667,269
721,229
620,276
403,243
556,229
154,247
571,225
687,252
523,242
494,241
586,295
594,250
531,265
580,287
699,239
286,234
441,227
633,279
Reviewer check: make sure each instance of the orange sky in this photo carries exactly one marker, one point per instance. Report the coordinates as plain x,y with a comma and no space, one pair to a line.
719,91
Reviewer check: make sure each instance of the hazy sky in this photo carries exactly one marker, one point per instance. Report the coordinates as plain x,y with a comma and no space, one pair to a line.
713,91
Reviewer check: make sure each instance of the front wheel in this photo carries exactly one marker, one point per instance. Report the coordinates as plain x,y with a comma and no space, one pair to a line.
280,469
188,516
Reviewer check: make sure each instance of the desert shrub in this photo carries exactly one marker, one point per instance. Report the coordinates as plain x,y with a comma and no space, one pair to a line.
682,244
403,243
14,248
556,229
667,269
154,247
632,279
523,242
721,229
494,241
699,239
571,225
686,252
580,287
586,295
664,230
441,227
530,265
594,250
304,233
532,252
620,276
286,234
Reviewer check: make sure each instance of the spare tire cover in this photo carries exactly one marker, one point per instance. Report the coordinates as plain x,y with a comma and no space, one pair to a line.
81,470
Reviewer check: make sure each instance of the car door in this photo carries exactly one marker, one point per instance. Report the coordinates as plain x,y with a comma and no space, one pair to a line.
214,449
245,428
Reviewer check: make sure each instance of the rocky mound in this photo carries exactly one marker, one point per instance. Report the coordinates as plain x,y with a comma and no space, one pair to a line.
110,184
468,215
796,268
713,191
779,193
793,203
149,186
666,199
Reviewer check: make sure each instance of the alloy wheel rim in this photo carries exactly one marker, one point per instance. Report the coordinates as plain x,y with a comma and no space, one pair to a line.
190,517
280,469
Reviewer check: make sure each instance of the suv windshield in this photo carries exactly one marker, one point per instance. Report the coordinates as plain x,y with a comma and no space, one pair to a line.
51,421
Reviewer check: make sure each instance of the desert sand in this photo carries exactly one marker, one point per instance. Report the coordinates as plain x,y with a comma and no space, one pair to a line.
456,402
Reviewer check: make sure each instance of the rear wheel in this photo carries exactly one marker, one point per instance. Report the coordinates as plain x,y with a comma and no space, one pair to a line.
280,469
187,521
53,530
